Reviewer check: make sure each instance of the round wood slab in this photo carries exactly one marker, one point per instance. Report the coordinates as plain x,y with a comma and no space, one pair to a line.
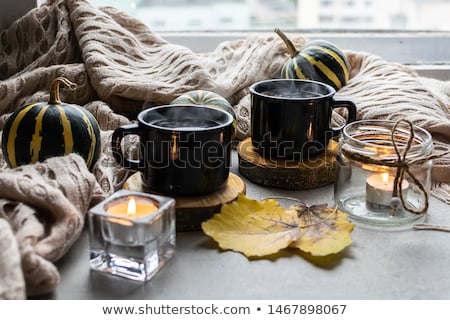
311,173
192,211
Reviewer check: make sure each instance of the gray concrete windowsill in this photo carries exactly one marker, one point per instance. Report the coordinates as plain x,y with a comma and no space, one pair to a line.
380,265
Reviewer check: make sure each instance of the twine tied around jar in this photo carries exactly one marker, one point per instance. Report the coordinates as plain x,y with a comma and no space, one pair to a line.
402,165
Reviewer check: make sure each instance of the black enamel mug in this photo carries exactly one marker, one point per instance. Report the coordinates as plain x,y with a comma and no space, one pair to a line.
292,118
184,149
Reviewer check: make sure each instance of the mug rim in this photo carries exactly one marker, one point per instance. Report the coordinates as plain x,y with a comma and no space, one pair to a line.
229,120
330,94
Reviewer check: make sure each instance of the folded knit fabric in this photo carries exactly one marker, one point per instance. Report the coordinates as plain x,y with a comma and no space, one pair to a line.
12,284
44,207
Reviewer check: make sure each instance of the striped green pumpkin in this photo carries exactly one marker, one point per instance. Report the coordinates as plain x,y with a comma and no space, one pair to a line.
206,98
42,130
317,60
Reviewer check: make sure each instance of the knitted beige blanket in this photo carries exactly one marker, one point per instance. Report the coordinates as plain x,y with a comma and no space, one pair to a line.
121,67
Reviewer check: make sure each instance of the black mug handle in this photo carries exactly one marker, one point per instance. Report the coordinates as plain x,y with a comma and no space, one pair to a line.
116,145
351,115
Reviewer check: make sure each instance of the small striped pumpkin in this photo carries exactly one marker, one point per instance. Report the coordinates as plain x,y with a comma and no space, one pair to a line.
42,130
317,60
206,98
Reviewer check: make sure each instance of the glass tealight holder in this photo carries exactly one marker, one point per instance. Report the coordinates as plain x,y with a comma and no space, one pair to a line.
132,234
369,169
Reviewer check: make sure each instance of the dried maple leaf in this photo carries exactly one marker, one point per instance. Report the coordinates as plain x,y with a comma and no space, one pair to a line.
255,228
260,228
323,230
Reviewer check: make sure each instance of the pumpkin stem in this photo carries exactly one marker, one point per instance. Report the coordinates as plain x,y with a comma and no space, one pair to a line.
290,46
54,90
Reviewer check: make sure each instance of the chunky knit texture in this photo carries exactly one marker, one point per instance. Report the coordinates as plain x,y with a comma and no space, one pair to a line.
121,68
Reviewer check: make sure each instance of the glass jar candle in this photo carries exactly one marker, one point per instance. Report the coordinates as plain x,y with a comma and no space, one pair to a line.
384,173
132,234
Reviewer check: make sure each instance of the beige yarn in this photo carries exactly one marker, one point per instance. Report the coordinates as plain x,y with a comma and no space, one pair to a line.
120,68
44,205
12,285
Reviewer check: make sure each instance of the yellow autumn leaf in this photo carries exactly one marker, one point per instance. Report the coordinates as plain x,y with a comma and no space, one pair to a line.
323,230
255,228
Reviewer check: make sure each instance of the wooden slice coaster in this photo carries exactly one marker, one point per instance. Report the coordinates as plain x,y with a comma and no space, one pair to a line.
311,173
192,211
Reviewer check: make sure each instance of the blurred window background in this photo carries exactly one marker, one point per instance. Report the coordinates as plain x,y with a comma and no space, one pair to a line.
322,15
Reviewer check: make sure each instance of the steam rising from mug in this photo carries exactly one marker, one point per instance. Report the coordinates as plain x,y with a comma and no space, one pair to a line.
179,119
292,91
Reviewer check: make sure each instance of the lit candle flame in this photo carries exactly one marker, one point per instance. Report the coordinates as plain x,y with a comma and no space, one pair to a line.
131,209
385,177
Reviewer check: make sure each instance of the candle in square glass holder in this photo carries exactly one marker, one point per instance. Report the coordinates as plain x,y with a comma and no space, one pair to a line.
132,234
384,173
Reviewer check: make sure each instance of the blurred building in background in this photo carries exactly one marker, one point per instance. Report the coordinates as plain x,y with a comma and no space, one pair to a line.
188,15
373,14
